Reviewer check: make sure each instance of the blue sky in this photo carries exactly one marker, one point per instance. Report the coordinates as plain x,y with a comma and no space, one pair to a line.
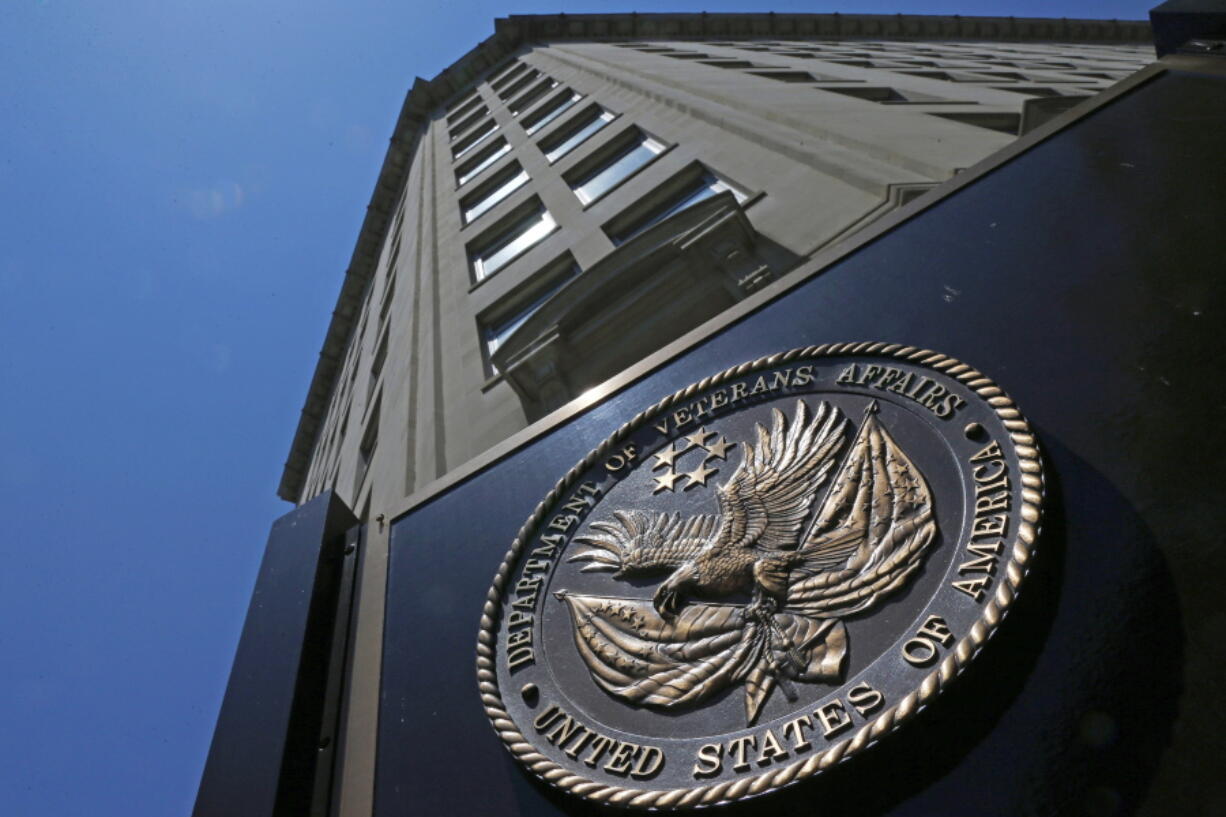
182,184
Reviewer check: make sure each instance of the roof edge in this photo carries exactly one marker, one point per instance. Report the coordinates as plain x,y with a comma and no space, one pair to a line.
733,25
420,101
513,31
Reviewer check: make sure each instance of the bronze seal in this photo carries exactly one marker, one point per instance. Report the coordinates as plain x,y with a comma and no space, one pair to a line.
760,576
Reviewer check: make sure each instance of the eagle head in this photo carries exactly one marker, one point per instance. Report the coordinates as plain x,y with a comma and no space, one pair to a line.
670,595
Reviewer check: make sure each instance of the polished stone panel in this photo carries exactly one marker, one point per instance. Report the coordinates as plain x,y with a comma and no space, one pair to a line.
1085,276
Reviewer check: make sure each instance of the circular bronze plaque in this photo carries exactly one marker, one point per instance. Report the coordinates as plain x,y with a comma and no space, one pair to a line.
760,576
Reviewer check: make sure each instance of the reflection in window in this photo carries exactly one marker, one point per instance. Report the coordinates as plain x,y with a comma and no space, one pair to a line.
617,168
508,245
563,144
701,188
497,333
481,161
481,201
550,111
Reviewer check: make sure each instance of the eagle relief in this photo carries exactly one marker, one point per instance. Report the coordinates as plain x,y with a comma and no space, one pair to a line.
760,576
804,571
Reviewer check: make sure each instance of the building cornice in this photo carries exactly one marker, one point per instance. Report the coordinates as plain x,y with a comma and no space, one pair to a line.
510,33
732,26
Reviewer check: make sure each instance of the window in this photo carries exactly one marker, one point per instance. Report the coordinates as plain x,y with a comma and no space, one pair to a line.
521,103
360,334
786,76
1011,75
496,332
336,472
366,449
389,289
1003,122
481,161
468,122
1028,90
886,96
463,107
628,156
393,254
376,364
592,120
518,85
501,246
692,186
504,184
551,110
389,286
353,366
344,429
469,142
508,75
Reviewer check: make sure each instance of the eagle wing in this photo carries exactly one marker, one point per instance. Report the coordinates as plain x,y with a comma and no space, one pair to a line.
641,542
870,534
765,502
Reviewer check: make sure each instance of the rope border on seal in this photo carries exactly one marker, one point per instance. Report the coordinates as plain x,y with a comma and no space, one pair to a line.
1021,551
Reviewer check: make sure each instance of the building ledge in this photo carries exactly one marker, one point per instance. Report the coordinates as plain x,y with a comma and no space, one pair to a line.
649,291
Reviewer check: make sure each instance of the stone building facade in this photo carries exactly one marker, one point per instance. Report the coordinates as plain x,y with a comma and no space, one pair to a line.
578,191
